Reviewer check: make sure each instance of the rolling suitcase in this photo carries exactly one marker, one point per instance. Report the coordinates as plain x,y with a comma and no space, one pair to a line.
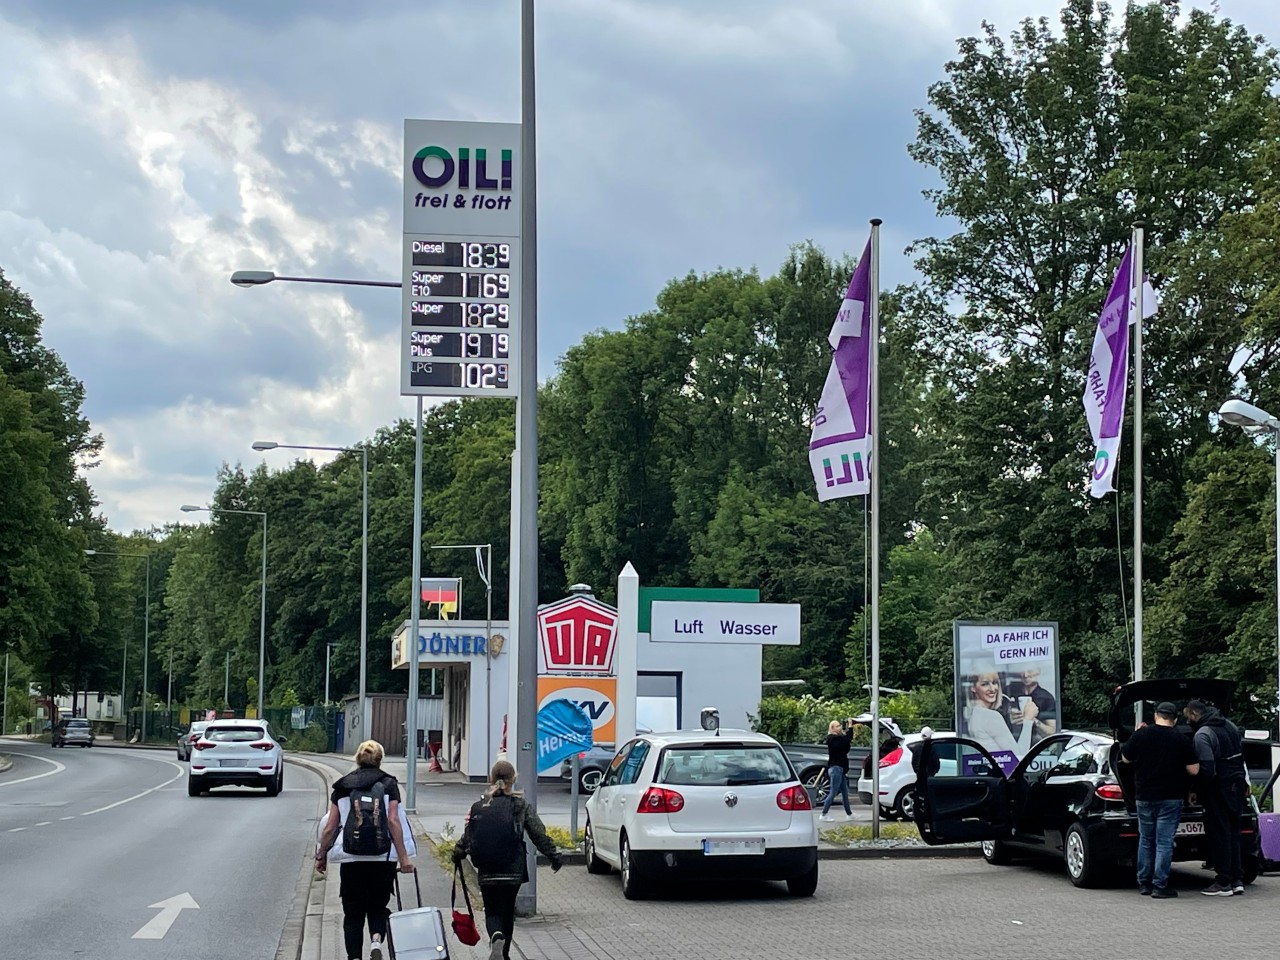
417,934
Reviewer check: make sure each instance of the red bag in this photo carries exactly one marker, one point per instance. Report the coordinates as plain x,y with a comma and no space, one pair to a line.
464,924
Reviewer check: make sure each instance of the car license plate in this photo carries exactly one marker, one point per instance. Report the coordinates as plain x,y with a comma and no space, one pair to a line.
733,848
1191,828
231,763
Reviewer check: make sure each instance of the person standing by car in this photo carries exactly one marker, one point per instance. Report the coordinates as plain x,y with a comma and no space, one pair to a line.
494,839
1222,788
839,738
1164,760
366,881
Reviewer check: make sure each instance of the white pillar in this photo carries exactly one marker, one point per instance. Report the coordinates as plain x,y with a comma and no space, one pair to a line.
628,641
513,621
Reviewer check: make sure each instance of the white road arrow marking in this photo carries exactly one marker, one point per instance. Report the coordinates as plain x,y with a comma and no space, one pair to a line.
158,926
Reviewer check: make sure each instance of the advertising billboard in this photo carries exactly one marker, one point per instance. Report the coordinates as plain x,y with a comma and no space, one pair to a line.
1007,685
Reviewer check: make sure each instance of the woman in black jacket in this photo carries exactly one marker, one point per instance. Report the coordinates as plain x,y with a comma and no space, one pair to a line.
838,739
501,875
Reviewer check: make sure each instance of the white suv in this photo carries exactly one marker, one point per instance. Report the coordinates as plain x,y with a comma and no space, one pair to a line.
897,778
239,752
724,803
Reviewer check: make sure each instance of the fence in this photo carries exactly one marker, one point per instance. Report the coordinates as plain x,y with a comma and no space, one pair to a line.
313,729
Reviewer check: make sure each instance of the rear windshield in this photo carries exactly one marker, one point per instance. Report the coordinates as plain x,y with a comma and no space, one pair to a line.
233,734
730,765
77,723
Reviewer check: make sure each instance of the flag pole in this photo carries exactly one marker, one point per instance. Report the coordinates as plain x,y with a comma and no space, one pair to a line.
1135,294
873,428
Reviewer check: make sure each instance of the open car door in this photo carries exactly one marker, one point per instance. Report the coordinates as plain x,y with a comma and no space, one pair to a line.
963,794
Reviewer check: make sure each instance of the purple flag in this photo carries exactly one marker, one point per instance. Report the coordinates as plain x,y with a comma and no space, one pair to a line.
840,445
1107,381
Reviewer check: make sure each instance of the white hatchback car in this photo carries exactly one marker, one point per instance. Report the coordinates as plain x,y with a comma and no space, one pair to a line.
239,752
702,804
898,778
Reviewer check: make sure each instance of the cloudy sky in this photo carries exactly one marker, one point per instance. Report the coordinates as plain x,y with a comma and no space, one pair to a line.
149,149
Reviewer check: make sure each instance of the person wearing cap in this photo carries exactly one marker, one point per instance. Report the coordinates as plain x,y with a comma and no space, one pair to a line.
1165,761
1222,788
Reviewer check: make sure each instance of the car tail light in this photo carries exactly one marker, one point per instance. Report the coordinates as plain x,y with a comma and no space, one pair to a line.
1110,791
204,745
262,746
794,798
890,758
660,800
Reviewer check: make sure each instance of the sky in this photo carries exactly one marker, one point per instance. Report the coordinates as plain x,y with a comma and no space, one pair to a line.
151,149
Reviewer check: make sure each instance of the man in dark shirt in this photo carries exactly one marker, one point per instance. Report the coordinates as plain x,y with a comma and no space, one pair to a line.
1028,685
1165,762
1222,790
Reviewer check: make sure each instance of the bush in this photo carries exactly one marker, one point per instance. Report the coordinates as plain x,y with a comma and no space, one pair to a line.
314,739
804,719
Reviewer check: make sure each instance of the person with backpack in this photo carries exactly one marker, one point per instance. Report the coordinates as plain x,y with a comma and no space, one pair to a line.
363,830
1223,789
494,840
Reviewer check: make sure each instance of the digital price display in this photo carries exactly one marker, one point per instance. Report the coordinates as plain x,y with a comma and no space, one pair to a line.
426,343
487,377
449,253
461,329
468,313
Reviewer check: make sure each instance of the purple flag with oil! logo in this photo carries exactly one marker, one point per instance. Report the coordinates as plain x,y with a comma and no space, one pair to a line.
840,445
1107,380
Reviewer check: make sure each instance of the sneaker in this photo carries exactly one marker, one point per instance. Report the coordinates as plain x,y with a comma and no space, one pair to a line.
496,944
1237,889
1164,893
827,818
1145,891
375,950
848,816
1216,890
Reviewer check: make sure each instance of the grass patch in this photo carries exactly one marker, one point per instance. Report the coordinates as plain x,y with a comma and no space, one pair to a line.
859,831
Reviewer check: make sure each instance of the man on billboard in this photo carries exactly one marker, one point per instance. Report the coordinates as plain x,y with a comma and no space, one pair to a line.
1028,685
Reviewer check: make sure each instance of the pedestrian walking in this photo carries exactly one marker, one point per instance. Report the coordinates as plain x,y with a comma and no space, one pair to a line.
839,737
362,831
1164,762
494,839
1221,788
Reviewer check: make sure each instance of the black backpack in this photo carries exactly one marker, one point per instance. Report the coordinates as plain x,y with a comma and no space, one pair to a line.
497,834
366,833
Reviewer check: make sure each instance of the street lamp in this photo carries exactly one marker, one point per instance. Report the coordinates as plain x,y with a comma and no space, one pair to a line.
257,278
328,652
484,566
1255,421
264,445
262,625
146,640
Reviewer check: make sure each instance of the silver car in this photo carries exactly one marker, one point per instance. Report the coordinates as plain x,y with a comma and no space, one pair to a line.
188,739
73,730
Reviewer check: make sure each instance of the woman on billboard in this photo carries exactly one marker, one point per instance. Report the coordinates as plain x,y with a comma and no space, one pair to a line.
985,720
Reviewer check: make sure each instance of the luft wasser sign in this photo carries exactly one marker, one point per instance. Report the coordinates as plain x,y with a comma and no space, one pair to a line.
686,621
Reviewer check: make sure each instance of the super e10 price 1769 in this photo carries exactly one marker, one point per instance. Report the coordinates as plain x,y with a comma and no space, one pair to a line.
486,286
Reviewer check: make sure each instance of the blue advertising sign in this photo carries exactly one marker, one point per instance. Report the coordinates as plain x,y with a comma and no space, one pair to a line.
564,728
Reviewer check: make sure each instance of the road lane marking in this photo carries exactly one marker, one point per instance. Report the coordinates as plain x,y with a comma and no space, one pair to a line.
17,829
158,926
136,796
57,768
66,818
44,823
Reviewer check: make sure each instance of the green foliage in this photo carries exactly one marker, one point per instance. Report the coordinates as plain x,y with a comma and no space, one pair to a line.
852,832
288,698
313,739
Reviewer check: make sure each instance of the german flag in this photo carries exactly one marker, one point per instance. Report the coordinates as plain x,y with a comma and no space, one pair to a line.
442,592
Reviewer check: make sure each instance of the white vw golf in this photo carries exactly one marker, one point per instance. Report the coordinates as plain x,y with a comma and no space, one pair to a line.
705,803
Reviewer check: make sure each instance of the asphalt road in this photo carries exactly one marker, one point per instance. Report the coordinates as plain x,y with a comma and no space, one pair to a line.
90,838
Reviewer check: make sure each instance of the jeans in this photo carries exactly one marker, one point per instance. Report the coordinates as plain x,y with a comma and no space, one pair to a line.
839,784
1223,807
365,890
500,911
1157,824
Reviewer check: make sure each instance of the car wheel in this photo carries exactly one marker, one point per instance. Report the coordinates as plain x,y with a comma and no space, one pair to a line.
995,852
277,782
804,885
192,789
817,779
589,779
633,888
1078,851
594,863
1249,867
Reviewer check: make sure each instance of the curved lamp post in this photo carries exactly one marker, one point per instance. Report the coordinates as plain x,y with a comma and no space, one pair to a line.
1256,421
262,626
